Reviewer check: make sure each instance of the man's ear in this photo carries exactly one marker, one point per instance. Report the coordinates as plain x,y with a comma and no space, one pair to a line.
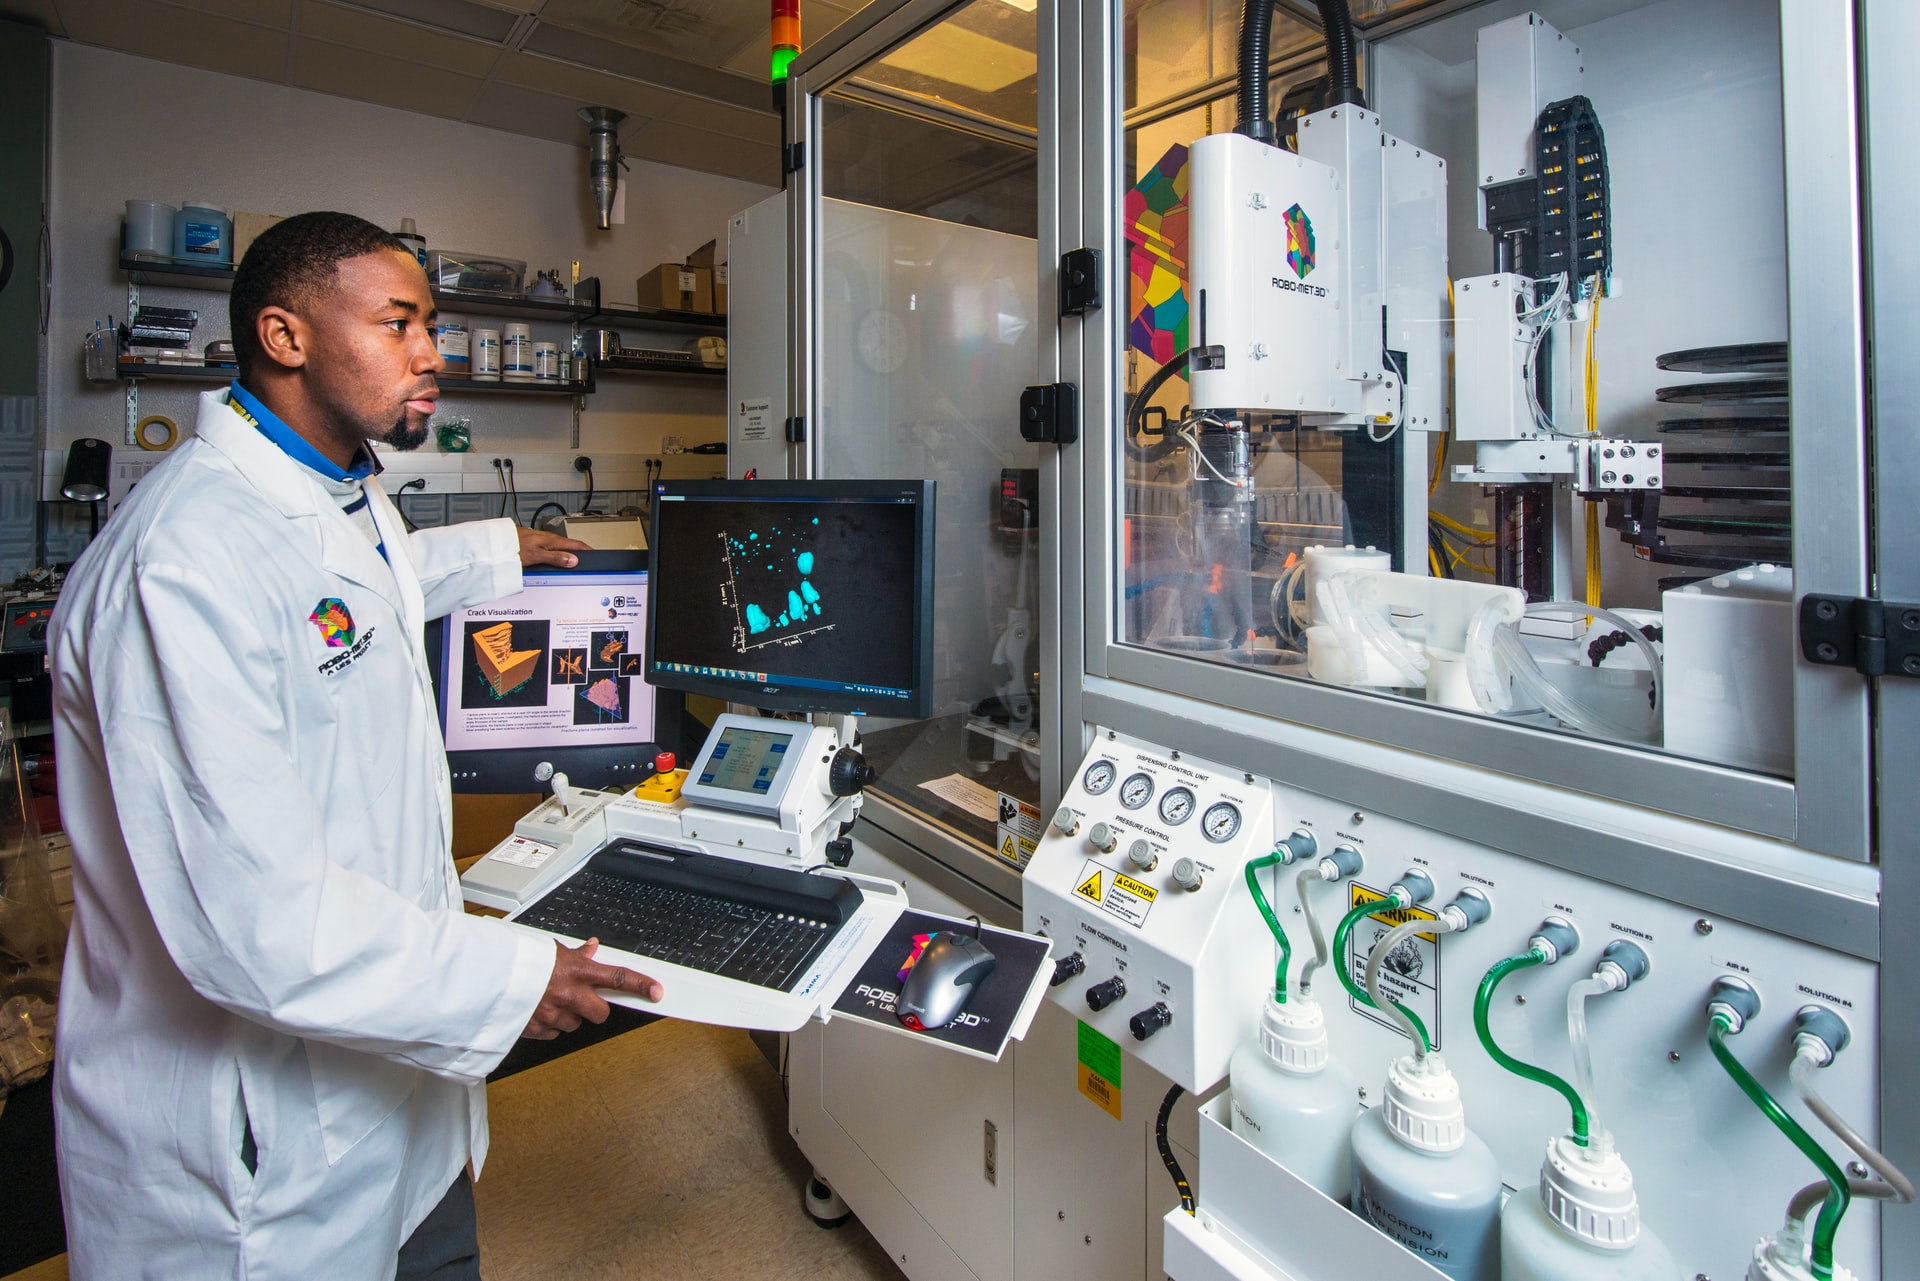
282,337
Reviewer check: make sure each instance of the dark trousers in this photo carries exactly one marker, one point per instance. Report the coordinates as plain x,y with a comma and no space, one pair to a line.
446,1245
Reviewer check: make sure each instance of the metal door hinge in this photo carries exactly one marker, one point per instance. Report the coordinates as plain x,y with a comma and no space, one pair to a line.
1875,638
1079,282
793,157
1050,414
796,431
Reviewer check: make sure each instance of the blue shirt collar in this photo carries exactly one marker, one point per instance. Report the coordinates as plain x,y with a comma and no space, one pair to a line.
293,444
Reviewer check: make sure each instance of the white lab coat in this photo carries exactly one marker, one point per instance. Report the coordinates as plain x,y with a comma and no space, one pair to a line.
267,925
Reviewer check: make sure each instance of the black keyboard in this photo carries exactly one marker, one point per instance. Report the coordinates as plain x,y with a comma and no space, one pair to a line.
763,926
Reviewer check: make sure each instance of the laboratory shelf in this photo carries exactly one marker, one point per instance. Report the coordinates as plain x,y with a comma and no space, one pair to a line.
615,315
136,370
629,367
461,302
464,386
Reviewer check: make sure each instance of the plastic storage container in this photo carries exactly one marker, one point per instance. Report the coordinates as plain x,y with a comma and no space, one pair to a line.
202,235
1424,1179
516,352
149,230
485,364
410,236
546,362
1292,1100
455,344
1582,1223
474,273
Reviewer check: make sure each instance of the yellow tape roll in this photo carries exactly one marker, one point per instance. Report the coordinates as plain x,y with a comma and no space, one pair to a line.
163,423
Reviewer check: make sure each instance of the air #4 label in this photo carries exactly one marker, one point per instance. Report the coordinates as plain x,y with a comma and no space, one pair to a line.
1409,975
1115,893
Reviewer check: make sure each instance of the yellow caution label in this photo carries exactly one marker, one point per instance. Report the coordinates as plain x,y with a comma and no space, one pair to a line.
1397,916
1135,888
1090,888
1009,851
1102,1091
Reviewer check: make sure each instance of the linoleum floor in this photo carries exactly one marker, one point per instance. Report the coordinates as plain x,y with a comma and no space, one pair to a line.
660,1155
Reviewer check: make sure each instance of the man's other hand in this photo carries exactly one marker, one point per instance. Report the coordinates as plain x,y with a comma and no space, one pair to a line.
572,993
538,547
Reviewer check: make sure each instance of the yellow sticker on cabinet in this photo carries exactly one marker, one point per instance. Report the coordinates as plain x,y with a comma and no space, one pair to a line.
1123,898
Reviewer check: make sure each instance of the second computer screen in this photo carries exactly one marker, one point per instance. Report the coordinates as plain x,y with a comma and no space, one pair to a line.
820,592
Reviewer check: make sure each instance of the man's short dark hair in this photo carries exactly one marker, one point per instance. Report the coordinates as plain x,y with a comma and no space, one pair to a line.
293,263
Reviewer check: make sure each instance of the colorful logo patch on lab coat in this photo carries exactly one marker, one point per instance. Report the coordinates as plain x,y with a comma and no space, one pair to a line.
334,622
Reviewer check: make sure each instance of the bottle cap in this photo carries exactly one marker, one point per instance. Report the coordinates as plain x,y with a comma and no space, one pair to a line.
1589,1193
1423,1108
406,227
1294,1035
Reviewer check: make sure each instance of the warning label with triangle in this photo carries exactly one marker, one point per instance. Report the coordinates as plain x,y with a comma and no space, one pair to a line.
1090,888
1009,851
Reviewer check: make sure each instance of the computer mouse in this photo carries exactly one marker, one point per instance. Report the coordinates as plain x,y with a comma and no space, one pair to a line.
943,980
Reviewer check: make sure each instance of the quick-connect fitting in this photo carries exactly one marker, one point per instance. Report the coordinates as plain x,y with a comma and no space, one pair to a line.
1343,862
1296,845
1414,886
1822,1031
1469,908
1556,937
1624,962
1735,1000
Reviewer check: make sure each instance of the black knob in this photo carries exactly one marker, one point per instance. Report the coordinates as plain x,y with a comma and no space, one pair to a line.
1065,968
1150,1020
849,774
840,851
1101,995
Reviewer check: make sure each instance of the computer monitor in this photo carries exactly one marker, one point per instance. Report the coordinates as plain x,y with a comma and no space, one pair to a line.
811,596
553,676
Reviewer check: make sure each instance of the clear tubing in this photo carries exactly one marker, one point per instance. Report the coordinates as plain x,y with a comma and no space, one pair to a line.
1302,883
1377,957
1483,1003
1580,608
1800,1073
1273,922
1809,1198
1531,682
1422,1041
1834,1205
1391,644
1489,690
1582,1050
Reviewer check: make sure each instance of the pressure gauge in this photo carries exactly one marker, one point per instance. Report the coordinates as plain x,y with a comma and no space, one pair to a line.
1098,778
1221,822
1136,791
1176,807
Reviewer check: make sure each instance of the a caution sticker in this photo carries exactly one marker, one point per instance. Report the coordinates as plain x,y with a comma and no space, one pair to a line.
1115,893
1099,1070
1410,976
1019,830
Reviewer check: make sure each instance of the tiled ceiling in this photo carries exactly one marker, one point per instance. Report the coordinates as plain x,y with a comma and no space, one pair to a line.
690,74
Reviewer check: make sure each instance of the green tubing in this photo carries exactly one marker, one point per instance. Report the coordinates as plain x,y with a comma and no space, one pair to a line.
1835,1205
1483,1002
1273,923
1340,937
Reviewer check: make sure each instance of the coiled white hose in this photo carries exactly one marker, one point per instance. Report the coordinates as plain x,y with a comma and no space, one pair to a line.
1808,1199
1383,949
1308,878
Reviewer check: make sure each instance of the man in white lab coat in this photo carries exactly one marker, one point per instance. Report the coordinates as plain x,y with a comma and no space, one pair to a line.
276,1020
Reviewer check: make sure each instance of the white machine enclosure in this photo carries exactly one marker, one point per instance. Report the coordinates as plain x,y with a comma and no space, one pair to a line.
1729,662
1415,246
1521,65
1489,359
1203,952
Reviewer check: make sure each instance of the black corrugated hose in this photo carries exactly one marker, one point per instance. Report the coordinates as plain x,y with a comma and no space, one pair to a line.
1343,66
1256,30
1180,1184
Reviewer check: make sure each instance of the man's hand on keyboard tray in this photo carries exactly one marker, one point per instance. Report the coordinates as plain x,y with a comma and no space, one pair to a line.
572,993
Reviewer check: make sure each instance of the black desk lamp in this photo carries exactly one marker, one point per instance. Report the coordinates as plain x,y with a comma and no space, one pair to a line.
89,460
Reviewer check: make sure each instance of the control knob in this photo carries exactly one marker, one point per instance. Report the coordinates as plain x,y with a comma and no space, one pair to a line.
1065,821
1186,874
1065,968
1101,995
1102,837
1150,1020
1141,855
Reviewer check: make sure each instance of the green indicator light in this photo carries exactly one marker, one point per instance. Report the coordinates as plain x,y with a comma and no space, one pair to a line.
782,59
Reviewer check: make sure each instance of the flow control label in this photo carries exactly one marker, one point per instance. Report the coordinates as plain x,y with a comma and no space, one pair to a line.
1099,1070
1410,974
1115,893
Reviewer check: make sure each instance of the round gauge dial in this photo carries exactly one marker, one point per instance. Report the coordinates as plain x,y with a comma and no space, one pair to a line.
1176,806
881,341
1221,822
1098,778
1136,791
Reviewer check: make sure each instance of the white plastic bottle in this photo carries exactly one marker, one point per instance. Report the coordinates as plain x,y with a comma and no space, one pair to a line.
1292,1099
1582,1223
1423,1178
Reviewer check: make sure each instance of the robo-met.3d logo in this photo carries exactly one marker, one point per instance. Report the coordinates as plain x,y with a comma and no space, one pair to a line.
1300,254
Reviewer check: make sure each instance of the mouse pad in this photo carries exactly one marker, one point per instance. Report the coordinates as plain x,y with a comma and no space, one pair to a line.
990,1018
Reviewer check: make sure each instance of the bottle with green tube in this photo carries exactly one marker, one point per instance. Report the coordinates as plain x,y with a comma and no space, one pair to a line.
1419,1174
1582,1220
1291,1098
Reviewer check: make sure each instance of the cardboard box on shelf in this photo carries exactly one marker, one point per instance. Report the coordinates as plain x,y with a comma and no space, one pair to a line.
703,257
677,287
247,228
